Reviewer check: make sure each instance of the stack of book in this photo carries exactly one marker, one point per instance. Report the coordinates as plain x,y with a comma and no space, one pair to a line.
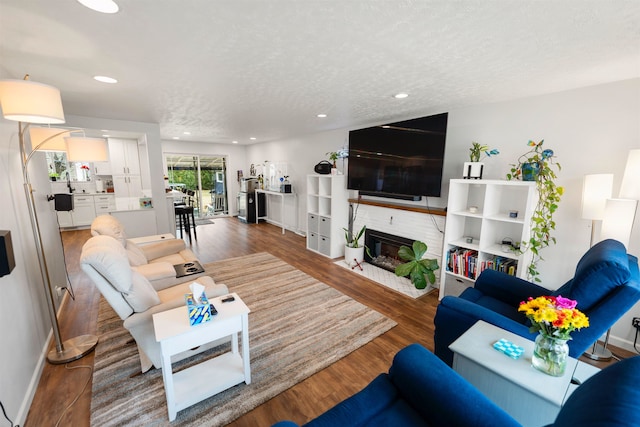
505,265
463,262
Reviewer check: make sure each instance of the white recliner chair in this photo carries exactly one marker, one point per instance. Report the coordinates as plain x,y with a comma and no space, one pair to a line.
154,261
134,298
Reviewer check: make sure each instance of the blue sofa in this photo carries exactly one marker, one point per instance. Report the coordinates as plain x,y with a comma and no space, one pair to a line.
606,285
421,390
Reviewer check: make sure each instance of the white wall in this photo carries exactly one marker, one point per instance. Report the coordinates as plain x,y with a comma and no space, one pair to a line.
24,320
591,130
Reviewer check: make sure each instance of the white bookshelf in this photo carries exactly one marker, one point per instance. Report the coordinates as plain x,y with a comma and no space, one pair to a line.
327,214
477,234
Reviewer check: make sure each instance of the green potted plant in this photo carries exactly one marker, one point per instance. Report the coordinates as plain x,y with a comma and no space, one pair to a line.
539,165
418,269
342,153
333,156
353,250
474,168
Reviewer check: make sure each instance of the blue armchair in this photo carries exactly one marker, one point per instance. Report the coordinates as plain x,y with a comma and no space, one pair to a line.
606,284
421,390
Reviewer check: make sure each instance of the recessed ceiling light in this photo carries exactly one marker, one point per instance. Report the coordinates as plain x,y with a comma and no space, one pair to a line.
253,138
234,142
322,116
186,133
105,79
105,135
103,6
176,137
400,95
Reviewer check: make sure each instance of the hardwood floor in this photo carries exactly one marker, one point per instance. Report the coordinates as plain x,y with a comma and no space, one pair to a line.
228,237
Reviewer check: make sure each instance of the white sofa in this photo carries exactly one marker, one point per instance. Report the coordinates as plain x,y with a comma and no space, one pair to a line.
134,298
155,261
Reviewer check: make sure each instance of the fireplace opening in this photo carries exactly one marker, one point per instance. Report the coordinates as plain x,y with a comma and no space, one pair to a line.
384,249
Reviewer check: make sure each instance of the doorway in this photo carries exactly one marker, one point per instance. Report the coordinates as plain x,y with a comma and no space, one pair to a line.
200,178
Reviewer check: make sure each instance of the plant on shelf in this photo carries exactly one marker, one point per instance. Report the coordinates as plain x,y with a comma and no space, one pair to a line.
539,165
418,269
343,153
477,149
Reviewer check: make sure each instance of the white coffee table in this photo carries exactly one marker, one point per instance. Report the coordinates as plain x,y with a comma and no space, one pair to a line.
212,376
532,397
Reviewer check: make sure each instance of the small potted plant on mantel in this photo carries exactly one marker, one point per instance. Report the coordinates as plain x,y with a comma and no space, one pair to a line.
474,168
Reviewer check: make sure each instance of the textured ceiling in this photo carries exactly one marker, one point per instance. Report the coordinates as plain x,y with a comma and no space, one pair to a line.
228,70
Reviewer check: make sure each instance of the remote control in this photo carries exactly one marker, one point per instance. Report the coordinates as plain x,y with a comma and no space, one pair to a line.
228,299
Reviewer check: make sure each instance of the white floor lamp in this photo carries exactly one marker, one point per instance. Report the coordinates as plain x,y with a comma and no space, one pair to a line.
34,103
618,218
596,189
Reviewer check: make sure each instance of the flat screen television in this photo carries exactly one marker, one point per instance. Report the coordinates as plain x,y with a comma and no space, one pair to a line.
401,160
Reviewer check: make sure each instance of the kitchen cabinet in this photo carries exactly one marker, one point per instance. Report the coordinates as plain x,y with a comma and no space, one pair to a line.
64,219
123,155
85,208
127,185
125,167
102,168
83,211
104,203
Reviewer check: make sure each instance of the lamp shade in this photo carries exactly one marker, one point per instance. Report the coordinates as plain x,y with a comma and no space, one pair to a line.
84,149
48,139
618,220
630,188
30,102
596,189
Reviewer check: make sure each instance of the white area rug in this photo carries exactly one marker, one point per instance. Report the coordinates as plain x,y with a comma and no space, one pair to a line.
388,279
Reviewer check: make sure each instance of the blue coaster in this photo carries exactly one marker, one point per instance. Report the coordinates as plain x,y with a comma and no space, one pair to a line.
508,348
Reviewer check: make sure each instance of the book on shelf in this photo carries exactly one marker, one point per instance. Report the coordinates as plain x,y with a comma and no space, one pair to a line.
502,264
463,261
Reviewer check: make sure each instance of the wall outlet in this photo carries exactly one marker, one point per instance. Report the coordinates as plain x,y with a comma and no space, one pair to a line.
636,322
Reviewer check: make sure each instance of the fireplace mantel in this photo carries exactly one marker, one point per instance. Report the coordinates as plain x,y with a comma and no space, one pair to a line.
419,209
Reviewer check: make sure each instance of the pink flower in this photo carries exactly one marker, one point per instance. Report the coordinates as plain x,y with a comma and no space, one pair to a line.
562,302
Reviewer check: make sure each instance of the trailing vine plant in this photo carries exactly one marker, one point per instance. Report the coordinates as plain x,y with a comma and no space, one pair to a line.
549,195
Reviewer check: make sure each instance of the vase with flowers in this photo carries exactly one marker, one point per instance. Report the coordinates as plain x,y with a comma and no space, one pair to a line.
554,318
85,172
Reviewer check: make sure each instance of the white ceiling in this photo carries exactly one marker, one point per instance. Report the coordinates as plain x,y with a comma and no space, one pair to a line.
228,70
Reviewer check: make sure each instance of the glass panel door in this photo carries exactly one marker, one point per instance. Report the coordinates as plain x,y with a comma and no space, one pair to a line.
202,181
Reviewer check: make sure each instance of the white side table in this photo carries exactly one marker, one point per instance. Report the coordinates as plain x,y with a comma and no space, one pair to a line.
532,397
212,376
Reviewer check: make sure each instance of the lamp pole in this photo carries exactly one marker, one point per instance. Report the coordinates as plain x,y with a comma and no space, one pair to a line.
77,347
